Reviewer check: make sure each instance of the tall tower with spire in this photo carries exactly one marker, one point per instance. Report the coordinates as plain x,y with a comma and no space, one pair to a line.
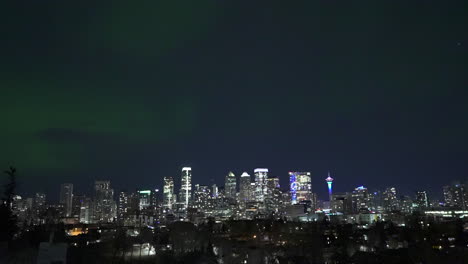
329,181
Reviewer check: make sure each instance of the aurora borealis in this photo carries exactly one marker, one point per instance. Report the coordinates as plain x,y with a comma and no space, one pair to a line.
376,93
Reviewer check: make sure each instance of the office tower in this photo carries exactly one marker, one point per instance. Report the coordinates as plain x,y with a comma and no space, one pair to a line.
104,204
76,205
361,199
261,176
244,188
456,195
123,205
376,201
66,198
342,203
230,186
39,208
390,200
300,187
273,198
185,193
329,181
201,197
144,199
406,204
155,199
18,207
421,200
168,192
214,190
86,211
128,204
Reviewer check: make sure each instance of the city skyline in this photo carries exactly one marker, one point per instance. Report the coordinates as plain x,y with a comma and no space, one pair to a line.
321,187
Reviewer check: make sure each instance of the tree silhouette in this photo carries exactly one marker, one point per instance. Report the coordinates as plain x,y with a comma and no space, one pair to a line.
7,218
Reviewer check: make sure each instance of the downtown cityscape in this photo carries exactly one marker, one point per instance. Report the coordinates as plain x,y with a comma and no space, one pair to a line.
234,132
252,212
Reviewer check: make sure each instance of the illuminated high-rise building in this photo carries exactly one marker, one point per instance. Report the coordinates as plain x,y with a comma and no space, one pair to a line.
144,199
86,211
361,199
66,198
230,186
76,205
39,207
261,176
456,195
406,204
273,198
104,204
168,192
244,189
300,187
123,205
185,193
390,200
214,190
201,196
421,200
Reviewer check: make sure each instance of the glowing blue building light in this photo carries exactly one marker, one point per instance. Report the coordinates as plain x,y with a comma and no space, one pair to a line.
329,181
293,185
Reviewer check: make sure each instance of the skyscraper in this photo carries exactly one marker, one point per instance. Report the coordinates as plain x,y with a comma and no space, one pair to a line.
456,195
66,197
123,205
39,207
390,200
361,199
244,189
214,190
104,204
201,197
273,199
144,199
76,205
261,176
185,193
421,200
230,185
168,192
300,186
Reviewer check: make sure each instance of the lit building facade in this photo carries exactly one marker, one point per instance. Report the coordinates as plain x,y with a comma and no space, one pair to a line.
300,187
168,192
39,207
421,200
86,211
456,195
76,205
273,200
201,197
214,190
185,193
104,204
66,198
244,189
230,186
390,200
361,199
144,199
261,176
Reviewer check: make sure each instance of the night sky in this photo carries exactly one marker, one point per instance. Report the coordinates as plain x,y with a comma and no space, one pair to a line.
374,91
